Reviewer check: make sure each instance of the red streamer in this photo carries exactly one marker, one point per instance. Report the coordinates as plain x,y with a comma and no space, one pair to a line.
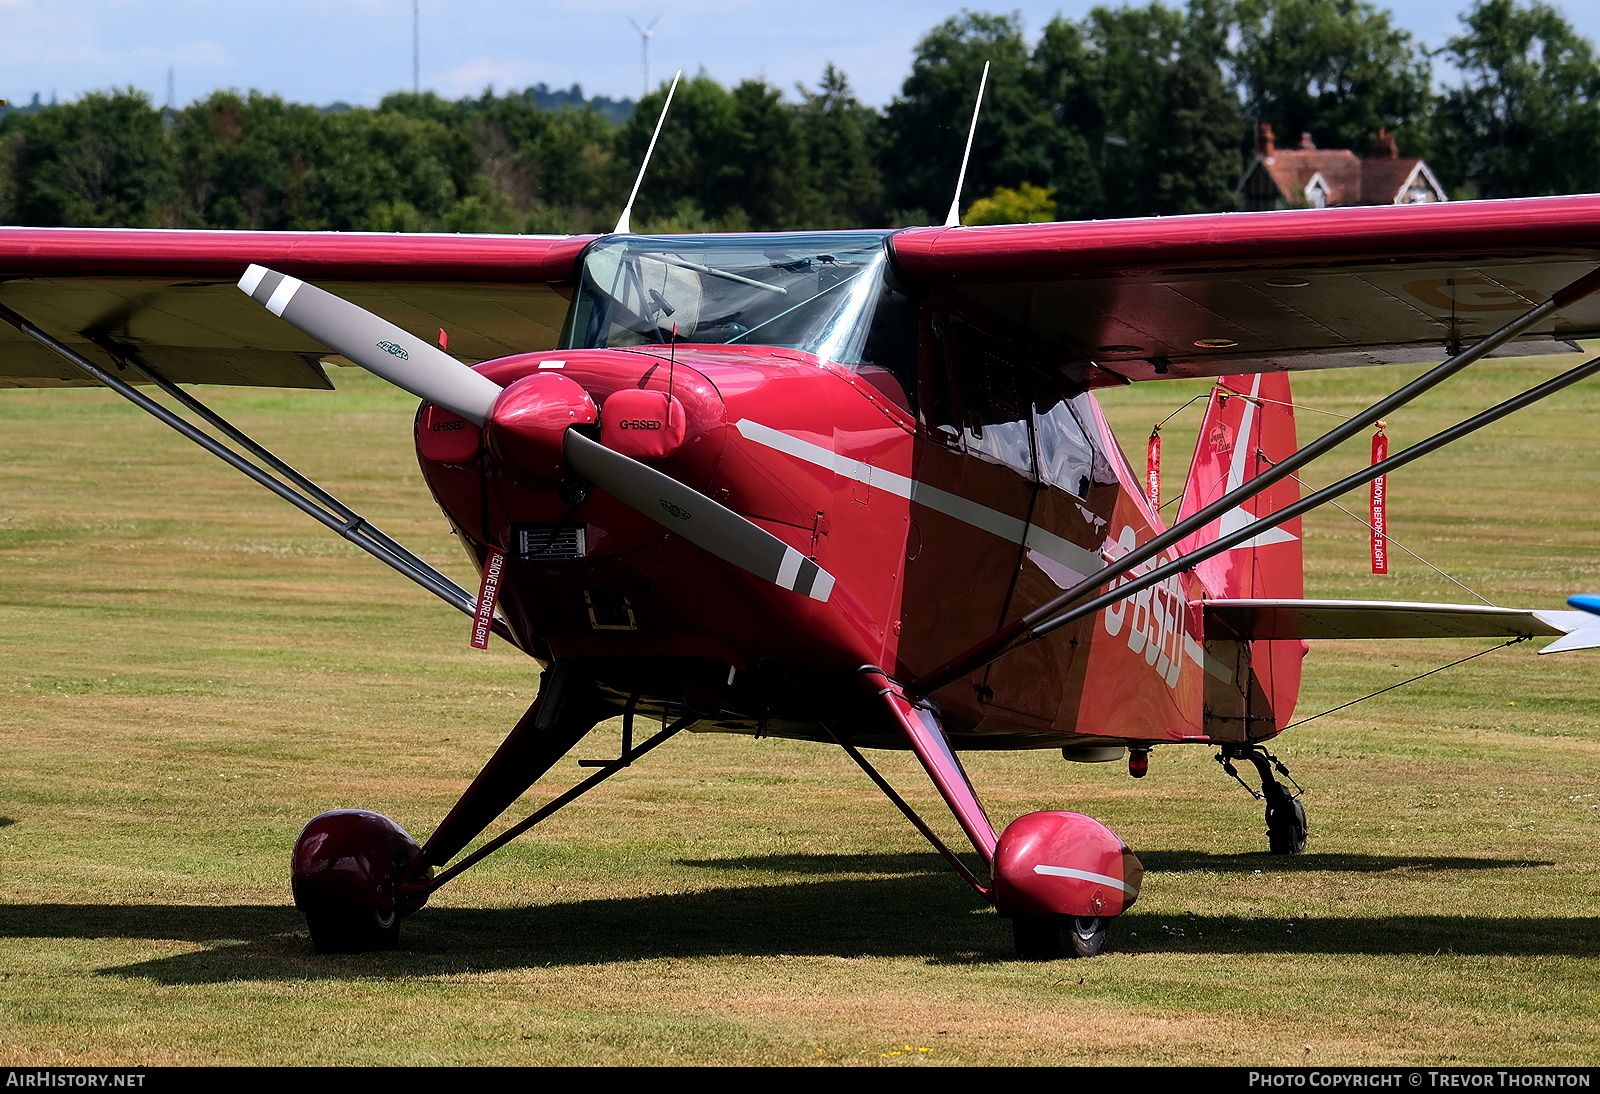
488,593
1378,506
1152,469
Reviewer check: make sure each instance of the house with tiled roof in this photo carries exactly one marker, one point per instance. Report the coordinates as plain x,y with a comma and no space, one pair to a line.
1321,178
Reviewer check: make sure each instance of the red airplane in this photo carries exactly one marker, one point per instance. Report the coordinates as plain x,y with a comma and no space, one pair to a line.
846,487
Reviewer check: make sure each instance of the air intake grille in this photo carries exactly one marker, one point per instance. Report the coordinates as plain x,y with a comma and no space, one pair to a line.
543,542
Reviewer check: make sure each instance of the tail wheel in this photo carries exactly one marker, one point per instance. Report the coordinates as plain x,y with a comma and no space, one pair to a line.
1286,824
1050,937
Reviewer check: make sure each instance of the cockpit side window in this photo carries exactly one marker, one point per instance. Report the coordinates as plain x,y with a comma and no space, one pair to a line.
983,406
1066,457
999,401
888,358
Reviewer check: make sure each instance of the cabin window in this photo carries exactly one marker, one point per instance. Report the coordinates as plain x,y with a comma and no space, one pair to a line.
1002,403
1066,458
888,358
981,400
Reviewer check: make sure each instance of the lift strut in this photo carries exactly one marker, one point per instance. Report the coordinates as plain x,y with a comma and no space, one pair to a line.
1060,610
277,476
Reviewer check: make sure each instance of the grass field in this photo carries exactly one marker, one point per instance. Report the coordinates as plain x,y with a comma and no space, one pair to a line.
194,669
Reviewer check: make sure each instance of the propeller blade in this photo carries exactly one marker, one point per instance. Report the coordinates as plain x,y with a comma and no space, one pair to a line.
696,518
429,373
375,344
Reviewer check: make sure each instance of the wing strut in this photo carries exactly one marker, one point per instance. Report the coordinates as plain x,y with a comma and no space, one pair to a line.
1320,497
298,490
1057,612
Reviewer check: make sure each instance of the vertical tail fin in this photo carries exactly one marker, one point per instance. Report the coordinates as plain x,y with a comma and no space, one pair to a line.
1248,427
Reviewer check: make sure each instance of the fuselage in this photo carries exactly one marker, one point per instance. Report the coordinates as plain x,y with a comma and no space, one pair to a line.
948,478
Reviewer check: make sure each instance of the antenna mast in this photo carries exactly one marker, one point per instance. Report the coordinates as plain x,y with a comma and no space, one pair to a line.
625,221
954,219
416,49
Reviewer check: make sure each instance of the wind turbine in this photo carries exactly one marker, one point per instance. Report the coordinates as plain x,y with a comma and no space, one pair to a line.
645,34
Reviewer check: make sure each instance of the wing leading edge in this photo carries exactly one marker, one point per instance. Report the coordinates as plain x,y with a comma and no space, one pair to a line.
1229,293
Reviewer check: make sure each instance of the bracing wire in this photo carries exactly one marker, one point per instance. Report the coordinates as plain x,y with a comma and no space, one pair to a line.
1413,680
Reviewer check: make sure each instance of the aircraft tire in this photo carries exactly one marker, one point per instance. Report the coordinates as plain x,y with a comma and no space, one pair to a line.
1286,826
352,930
1051,937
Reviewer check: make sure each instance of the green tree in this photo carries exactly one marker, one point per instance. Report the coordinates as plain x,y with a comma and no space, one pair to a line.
1190,159
244,160
551,168
386,171
694,159
1155,123
839,137
1027,204
573,166
1337,69
926,126
772,177
1164,92
1071,85
1526,118
103,161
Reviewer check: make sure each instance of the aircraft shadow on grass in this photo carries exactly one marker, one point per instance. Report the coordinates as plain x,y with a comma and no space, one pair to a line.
914,911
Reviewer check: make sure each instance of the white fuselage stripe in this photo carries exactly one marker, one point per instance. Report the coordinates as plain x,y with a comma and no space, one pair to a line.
1080,561
1077,560
1084,875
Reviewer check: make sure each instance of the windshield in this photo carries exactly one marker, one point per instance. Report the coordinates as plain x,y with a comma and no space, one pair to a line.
809,291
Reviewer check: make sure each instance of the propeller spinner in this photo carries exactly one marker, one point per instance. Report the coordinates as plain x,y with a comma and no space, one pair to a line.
417,366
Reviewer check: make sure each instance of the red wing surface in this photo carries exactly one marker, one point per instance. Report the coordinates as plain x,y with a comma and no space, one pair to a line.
1232,293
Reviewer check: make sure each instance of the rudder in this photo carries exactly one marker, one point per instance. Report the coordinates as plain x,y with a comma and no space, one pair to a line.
1248,427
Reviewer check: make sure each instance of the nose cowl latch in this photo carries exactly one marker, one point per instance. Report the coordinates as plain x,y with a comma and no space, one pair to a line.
643,424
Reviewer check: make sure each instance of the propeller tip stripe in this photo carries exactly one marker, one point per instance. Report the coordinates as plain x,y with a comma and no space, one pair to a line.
252,277
789,568
279,300
813,581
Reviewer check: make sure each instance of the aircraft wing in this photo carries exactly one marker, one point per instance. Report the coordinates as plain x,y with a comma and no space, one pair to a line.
1239,620
1228,293
168,298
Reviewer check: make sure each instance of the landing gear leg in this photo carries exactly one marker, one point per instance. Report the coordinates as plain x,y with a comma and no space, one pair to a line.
357,874
1059,877
1286,814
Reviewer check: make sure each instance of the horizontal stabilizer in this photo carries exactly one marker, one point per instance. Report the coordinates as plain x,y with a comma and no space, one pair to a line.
1249,620
1586,637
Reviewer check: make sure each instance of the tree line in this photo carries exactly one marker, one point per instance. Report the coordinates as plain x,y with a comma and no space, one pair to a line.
1129,111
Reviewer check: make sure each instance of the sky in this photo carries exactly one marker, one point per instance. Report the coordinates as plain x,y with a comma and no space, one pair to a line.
356,51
